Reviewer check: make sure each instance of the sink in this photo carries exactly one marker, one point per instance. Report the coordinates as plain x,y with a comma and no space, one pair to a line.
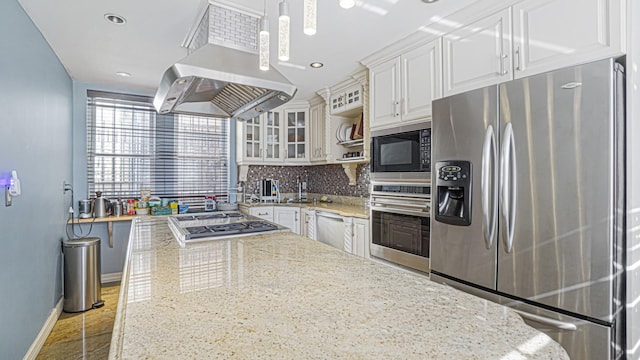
292,201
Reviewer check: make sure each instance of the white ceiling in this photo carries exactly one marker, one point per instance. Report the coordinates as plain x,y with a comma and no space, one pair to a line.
93,50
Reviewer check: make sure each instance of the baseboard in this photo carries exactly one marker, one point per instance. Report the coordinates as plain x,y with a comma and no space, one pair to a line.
109,278
37,344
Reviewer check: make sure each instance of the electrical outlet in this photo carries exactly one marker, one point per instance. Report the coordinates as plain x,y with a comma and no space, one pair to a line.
7,196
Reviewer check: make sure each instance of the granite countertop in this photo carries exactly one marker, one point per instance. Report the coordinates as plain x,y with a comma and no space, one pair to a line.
283,296
359,211
109,218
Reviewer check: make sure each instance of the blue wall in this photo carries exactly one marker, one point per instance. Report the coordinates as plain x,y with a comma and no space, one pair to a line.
35,140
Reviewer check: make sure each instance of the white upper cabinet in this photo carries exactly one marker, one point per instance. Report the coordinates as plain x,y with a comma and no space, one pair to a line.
317,133
276,138
478,54
385,93
296,134
261,138
347,102
547,35
550,34
402,88
421,78
252,139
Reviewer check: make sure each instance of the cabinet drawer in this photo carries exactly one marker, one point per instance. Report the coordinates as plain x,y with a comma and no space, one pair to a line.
263,212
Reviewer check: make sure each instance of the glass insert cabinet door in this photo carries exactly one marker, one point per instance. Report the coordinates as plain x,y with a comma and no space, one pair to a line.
296,138
272,127
252,138
263,137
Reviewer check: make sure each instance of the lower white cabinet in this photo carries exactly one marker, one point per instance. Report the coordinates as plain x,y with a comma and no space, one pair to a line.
288,216
356,232
356,235
304,222
263,212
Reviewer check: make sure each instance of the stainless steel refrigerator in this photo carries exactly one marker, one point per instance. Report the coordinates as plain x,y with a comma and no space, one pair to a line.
528,201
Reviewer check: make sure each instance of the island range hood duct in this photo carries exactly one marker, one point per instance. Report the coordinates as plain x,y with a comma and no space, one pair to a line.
220,77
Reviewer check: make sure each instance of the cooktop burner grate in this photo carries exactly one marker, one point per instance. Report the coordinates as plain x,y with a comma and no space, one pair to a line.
209,216
195,232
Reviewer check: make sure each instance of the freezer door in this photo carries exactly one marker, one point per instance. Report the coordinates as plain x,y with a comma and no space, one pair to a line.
580,338
559,196
464,129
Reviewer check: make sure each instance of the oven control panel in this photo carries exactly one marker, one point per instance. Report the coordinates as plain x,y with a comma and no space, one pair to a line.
425,149
393,189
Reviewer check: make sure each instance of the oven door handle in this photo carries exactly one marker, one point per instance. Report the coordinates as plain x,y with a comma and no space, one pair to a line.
392,210
415,197
399,203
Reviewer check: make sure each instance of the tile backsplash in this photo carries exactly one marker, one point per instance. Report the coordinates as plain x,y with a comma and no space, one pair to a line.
321,179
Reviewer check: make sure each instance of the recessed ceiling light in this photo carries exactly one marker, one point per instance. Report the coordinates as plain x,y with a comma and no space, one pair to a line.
115,19
429,1
123,74
347,4
316,65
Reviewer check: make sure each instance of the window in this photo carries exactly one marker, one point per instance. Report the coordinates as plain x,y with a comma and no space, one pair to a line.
131,148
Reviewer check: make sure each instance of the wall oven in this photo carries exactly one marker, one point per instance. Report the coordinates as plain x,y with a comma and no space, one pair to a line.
401,153
400,223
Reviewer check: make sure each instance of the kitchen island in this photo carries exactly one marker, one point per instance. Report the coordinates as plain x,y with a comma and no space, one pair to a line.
284,296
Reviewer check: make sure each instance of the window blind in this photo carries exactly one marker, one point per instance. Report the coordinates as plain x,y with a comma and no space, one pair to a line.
131,148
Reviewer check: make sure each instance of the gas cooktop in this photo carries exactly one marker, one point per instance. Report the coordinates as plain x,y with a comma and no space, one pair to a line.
218,225
221,215
195,232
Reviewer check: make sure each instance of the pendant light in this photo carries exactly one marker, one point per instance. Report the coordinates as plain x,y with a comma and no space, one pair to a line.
283,31
347,4
310,17
264,41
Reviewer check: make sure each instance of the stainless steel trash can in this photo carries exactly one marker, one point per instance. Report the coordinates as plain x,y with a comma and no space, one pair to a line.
82,290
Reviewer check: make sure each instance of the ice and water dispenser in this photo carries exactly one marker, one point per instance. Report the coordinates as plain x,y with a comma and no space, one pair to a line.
453,191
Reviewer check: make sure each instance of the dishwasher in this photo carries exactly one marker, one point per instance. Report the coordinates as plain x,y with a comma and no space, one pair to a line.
330,229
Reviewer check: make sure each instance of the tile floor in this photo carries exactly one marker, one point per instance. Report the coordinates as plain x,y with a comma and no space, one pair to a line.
85,335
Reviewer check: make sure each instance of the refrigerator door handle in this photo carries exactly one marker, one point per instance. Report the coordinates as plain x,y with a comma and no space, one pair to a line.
513,186
486,185
544,323
508,186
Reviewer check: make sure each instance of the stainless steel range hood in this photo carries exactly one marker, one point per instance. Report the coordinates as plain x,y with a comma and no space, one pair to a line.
222,82
220,77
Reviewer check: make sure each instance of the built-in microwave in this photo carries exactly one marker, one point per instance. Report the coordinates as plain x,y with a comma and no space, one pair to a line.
401,153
